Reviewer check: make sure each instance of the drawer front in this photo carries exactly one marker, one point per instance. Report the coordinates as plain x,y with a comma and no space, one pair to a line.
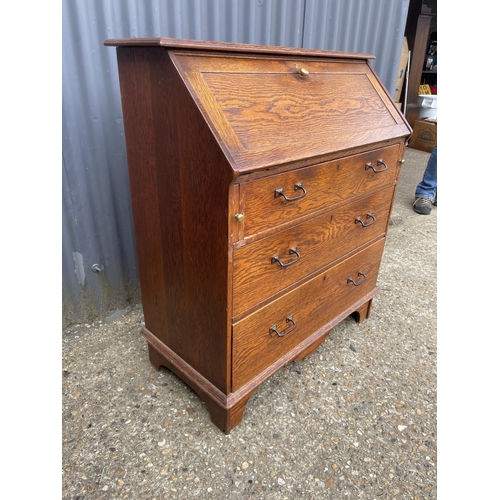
266,266
300,313
273,201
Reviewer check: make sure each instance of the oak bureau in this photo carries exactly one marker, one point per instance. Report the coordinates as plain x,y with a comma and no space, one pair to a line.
262,181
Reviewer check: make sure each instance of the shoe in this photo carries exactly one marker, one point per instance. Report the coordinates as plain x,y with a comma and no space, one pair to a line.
435,202
422,206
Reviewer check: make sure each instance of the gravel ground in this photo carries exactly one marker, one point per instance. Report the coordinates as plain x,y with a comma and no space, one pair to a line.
356,419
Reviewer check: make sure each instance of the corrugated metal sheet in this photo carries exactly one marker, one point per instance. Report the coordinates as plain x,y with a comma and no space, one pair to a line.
373,26
97,218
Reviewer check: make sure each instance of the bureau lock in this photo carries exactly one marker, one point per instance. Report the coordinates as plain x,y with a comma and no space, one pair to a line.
239,217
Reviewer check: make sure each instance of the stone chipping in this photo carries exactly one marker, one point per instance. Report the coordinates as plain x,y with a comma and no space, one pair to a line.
354,420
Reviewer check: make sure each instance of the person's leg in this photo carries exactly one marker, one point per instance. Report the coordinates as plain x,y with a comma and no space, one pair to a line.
425,192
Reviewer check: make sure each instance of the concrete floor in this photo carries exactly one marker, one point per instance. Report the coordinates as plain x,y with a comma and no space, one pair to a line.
356,419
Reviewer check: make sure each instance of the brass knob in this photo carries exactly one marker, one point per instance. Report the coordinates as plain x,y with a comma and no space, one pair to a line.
239,217
402,160
303,72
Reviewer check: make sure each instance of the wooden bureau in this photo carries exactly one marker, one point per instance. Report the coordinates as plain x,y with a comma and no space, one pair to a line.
262,181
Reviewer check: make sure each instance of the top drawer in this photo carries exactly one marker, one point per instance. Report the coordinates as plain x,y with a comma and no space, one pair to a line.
274,201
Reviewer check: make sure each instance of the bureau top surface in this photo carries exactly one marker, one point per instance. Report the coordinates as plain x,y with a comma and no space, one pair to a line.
273,106
179,43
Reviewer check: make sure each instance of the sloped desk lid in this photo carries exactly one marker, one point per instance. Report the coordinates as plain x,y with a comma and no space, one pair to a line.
270,106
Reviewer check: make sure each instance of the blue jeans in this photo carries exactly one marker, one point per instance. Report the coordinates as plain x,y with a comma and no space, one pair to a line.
427,187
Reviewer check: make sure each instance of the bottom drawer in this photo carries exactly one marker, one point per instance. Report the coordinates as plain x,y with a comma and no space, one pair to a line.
266,335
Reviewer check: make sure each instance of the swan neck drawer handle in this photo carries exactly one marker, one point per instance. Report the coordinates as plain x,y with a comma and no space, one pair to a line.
379,162
361,273
292,251
298,186
274,329
366,224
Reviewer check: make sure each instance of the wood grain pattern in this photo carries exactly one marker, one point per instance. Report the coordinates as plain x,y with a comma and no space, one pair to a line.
189,194
310,304
341,104
306,346
319,241
245,48
337,106
325,184
135,87
212,131
253,64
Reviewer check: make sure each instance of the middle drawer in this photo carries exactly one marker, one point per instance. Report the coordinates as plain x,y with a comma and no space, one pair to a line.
265,267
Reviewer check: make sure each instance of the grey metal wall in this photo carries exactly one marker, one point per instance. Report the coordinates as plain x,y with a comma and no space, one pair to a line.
373,26
97,221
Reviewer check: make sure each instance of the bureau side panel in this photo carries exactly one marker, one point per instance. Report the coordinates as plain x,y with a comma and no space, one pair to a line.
135,87
180,183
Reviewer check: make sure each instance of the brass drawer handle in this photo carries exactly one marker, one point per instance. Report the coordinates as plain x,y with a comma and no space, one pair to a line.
292,251
274,329
361,273
281,192
366,224
379,162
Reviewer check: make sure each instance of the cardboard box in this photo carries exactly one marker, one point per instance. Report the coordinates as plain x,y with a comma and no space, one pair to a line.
424,135
400,78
